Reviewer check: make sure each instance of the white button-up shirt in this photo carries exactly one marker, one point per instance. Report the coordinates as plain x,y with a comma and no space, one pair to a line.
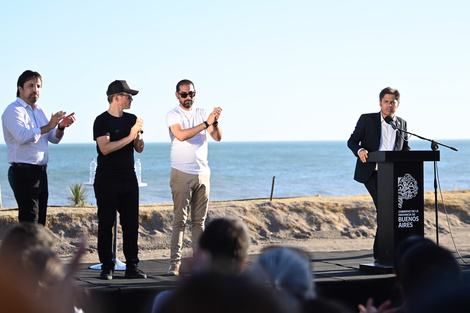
22,132
388,135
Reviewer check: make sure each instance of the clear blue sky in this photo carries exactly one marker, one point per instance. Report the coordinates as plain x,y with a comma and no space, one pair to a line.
281,70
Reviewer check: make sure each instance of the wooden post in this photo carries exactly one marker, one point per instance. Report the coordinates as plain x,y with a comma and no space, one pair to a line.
272,189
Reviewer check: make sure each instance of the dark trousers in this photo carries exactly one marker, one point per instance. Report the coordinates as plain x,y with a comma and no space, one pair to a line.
29,185
117,194
371,185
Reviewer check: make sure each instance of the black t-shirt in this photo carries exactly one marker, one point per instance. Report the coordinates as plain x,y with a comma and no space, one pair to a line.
119,162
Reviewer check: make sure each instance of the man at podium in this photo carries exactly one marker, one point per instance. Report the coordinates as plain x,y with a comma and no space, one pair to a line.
374,133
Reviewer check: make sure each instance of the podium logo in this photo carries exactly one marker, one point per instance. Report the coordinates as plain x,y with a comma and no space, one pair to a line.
407,189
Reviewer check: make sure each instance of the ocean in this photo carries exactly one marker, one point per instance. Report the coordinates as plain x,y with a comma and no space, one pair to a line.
245,170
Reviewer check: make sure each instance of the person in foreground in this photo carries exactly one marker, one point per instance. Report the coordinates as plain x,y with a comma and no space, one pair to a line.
429,279
117,135
223,249
215,293
374,133
190,174
27,131
33,277
288,273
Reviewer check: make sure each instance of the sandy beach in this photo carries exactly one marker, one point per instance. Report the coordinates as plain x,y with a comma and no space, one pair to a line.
313,223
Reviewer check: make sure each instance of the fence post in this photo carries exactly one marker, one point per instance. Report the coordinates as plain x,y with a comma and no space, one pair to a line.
272,189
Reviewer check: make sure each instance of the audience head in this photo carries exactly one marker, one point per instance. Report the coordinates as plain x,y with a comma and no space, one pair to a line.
288,272
212,292
33,276
408,243
22,238
425,270
225,242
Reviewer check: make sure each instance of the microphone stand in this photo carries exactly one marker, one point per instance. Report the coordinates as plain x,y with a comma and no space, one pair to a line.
434,147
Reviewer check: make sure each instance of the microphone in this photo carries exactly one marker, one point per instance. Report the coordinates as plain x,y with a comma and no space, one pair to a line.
389,120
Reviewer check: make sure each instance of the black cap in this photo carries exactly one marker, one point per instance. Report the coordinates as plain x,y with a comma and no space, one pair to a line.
118,86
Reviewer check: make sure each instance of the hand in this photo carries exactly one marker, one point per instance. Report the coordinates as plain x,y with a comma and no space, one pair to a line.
363,155
56,118
67,121
137,128
68,289
214,116
383,308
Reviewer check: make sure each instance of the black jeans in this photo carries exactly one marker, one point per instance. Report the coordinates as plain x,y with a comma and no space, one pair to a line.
29,184
117,194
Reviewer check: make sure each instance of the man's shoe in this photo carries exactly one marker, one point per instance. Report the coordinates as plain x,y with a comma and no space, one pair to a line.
174,270
106,274
133,272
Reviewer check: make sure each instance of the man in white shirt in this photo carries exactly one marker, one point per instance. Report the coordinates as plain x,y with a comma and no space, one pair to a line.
27,131
190,173
373,133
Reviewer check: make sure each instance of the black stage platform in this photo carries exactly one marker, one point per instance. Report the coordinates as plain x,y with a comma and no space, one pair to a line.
337,276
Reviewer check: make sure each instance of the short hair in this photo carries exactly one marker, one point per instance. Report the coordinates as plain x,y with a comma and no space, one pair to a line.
214,293
183,82
110,98
27,75
21,239
427,268
389,91
227,239
289,274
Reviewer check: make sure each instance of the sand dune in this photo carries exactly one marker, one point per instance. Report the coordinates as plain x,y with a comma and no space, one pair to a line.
314,223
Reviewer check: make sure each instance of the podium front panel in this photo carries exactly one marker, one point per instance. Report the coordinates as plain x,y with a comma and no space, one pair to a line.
400,206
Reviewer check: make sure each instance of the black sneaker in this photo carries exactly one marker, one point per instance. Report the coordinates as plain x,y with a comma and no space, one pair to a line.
106,274
133,272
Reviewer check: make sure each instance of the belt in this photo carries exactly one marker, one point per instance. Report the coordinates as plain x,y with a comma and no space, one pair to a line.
33,166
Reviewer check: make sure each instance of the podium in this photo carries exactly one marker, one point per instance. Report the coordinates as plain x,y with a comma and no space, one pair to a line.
400,202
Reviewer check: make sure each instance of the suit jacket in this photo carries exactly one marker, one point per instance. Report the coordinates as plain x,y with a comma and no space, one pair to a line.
367,135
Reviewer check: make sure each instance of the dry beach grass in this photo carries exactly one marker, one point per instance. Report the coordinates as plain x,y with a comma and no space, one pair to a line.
313,223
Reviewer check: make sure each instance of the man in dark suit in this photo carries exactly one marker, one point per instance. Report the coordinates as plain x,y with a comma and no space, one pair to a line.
373,133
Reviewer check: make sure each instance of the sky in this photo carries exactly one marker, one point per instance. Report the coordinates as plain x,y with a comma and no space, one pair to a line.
280,70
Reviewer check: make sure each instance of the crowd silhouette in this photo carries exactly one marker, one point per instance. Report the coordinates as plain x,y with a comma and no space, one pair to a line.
216,279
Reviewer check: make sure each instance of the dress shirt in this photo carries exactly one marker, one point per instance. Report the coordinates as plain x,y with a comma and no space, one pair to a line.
388,135
22,132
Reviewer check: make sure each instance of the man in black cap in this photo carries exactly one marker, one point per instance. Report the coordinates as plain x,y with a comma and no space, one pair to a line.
117,135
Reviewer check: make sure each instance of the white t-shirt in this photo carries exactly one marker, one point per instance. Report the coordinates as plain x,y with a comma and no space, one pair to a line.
189,156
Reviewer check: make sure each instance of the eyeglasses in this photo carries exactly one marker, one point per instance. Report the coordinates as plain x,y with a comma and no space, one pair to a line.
191,94
124,95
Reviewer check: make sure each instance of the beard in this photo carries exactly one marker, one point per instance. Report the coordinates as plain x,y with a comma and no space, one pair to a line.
32,99
187,104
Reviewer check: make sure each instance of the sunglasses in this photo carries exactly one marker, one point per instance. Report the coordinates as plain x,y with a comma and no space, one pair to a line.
124,95
191,94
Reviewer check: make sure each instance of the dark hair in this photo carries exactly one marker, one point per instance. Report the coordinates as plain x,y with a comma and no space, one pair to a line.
27,75
389,91
183,82
425,268
227,240
214,293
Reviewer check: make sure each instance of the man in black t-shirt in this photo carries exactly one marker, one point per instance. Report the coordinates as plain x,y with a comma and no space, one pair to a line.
117,135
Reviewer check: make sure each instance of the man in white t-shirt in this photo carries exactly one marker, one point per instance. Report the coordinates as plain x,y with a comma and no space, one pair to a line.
190,172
